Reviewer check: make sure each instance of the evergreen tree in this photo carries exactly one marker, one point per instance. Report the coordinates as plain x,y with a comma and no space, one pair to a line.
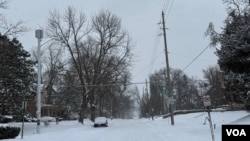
16,75
234,51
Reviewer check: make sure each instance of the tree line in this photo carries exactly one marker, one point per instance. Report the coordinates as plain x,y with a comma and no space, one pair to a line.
226,83
87,63
187,91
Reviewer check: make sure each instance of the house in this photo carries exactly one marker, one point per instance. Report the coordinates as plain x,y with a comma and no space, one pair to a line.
48,107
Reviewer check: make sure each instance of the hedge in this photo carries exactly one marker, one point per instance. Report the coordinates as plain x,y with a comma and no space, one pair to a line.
8,132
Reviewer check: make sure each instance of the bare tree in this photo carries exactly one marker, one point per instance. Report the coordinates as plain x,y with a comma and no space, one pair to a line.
214,77
185,92
8,28
70,94
106,56
69,30
100,54
239,6
54,66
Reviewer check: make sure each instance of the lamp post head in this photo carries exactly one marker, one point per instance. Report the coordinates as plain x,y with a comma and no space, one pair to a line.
39,34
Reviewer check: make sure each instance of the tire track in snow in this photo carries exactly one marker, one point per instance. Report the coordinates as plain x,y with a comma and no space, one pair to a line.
129,130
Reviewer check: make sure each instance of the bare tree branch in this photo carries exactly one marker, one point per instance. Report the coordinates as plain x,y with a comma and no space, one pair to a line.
3,4
69,30
12,29
8,28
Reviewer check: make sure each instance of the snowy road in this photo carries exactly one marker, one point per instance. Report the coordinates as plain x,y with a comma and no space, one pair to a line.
118,130
188,127
131,130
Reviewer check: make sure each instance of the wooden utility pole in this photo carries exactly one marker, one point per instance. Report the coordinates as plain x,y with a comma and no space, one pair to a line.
169,89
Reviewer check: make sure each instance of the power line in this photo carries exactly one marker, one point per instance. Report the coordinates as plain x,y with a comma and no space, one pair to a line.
171,53
108,84
195,58
120,84
167,5
149,65
157,39
184,56
154,58
170,7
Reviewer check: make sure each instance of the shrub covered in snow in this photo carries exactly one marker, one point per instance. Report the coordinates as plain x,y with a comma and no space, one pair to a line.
8,132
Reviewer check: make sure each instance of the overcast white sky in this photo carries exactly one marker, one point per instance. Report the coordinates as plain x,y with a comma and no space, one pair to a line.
186,22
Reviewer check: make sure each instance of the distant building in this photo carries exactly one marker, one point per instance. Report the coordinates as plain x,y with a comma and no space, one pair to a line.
47,109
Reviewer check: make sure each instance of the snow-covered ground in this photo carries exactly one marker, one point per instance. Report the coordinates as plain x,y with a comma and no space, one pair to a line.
188,127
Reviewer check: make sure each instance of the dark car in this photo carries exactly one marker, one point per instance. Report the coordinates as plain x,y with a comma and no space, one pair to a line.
101,121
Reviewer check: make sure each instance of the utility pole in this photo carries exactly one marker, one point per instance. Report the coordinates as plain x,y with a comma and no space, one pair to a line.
168,72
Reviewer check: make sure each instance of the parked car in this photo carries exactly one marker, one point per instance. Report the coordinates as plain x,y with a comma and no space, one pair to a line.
29,119
101,121
48,119
6,118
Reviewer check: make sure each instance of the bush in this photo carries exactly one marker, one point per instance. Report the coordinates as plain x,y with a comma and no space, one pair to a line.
9,132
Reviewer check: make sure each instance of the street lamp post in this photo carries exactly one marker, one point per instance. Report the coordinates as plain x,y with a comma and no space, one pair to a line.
39,36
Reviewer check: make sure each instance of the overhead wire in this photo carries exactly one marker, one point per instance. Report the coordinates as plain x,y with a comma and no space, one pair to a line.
166,8
167,14
157,39
170,7
195,58
185,56
166,5
151,62
155,56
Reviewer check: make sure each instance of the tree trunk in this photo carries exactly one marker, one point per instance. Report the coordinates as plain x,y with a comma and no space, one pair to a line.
82,110
81,115
92,112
